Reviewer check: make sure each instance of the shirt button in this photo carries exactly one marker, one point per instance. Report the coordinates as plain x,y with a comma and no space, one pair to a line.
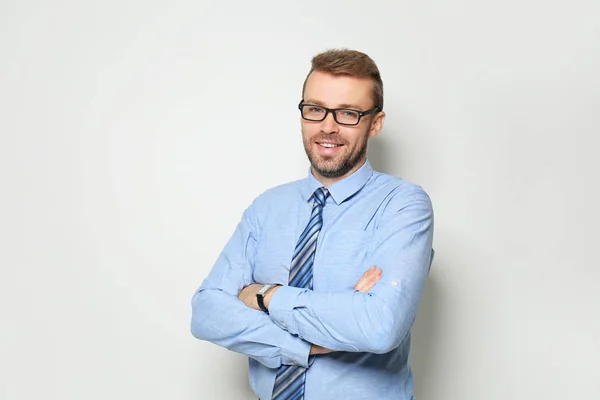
394,283
284,324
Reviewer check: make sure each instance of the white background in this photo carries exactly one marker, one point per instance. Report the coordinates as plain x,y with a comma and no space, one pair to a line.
134,133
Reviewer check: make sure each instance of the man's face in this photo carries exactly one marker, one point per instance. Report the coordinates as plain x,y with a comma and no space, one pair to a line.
334,163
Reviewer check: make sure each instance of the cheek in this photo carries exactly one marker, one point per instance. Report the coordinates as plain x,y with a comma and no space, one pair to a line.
309,131
353,139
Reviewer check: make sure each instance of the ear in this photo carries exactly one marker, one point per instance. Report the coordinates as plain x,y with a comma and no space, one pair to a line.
377,124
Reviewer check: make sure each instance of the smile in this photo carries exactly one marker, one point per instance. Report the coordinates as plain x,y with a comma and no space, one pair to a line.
329,145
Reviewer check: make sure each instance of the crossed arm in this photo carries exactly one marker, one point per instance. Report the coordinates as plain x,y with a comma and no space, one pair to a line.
364,285
303,322
225,312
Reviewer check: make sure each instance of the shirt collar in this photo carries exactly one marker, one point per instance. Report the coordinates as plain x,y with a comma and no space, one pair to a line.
342,189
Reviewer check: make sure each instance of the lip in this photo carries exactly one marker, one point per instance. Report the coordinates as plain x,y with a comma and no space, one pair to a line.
328,142
328,151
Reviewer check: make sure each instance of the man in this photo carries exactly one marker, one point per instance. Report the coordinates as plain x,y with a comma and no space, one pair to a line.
290,289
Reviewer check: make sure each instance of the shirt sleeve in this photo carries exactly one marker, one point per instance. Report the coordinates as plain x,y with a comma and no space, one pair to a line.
377,321
220,317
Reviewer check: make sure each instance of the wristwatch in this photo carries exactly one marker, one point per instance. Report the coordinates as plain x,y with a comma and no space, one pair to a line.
260,295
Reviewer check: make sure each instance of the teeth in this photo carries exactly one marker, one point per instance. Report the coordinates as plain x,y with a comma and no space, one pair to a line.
329,145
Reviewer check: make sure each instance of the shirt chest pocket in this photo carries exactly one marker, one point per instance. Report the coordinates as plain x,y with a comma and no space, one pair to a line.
342,258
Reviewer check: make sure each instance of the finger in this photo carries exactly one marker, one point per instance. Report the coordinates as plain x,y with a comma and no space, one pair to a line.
360,284
371,283
365,276
371,272
371,275
365,288
368,279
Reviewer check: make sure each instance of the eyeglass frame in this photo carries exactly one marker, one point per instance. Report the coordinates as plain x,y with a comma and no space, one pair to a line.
333,112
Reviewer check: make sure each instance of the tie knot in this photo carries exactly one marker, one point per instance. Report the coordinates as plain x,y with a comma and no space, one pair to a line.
321,195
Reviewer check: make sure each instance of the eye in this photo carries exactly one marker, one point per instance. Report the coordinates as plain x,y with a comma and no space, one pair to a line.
350,114
315,109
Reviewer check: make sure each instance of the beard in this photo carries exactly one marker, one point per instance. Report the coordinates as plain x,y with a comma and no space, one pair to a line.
337,166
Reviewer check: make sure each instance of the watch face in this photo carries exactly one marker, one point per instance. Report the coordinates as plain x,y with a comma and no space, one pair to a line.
264,289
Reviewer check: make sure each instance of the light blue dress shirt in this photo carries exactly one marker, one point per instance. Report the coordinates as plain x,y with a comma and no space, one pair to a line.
370,218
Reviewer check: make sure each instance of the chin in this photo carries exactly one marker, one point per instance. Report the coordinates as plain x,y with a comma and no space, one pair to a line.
328,170
325,163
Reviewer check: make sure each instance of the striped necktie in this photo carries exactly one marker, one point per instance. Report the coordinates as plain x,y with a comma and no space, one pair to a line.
289,381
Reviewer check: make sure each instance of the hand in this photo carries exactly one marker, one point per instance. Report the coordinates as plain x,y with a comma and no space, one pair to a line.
317,350
368,279
248,295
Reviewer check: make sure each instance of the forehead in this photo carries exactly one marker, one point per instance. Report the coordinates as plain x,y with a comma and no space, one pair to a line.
338,90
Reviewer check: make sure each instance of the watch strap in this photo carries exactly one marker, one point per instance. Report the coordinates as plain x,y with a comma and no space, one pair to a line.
260,296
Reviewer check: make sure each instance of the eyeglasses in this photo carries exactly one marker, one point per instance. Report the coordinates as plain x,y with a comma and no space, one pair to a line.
343,116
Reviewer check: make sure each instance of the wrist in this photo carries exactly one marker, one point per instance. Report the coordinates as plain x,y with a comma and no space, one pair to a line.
269,295
263,296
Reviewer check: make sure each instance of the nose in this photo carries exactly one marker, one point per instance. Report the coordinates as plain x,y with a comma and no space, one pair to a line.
328,125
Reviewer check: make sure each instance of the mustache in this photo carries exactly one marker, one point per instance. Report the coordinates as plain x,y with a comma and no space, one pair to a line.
328,138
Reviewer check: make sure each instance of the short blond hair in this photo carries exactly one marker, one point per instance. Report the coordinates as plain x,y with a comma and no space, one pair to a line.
350,63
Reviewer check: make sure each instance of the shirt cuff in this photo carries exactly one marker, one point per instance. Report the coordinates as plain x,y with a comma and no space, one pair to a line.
281,307
295,352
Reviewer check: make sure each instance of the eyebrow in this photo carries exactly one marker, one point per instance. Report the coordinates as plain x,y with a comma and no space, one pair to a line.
320,103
